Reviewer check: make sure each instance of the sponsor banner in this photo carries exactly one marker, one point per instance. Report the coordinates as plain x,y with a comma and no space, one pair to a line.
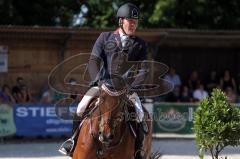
173,118
33,120
7,126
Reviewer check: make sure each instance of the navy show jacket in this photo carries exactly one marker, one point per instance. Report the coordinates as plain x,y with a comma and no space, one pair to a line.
110,60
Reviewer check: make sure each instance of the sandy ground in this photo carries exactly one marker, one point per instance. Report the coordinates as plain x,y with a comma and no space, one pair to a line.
170,148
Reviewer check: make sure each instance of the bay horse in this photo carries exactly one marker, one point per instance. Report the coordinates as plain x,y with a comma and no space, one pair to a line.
107,133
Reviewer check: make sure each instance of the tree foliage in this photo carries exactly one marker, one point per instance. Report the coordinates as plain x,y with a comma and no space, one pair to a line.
197,14
102,14
37,12
193,14
216,124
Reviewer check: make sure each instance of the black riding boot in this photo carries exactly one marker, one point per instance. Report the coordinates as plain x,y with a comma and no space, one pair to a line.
139,142
68,146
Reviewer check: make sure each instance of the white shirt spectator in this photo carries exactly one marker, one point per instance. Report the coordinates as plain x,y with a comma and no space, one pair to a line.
200,93
47,97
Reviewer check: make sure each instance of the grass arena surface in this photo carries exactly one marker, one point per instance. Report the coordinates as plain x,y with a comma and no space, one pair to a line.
47,149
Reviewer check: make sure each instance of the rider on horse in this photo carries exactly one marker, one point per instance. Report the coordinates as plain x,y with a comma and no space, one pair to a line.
111,48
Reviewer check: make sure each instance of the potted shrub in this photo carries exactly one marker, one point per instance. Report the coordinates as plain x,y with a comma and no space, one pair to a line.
216,124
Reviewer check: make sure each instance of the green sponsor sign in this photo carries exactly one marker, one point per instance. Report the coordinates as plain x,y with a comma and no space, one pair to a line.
173,118
7,125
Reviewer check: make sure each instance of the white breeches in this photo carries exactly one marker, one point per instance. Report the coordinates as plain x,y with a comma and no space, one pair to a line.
91,93
94,91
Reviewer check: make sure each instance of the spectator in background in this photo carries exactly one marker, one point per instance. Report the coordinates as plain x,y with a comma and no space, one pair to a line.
193,81
185,95
212,81
26,96
231,95
21,92
6,95
199,93
17,94
173,96
173,77
16,90
228,81
47,96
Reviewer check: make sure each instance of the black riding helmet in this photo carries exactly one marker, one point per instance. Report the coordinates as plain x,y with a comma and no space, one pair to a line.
129,11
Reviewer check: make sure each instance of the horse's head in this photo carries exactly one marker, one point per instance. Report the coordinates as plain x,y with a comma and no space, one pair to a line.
112,109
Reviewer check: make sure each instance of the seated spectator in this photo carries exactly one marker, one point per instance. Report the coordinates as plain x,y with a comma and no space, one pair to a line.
193,81
26,96
212,81
17,94
185,95
231,95
173,96
21,92
6,95
228,81
47,96
173,77
199,93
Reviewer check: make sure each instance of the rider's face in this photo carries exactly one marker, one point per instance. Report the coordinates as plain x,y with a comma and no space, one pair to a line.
130,26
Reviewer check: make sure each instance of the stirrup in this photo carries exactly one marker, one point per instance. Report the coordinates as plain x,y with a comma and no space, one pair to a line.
64,147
